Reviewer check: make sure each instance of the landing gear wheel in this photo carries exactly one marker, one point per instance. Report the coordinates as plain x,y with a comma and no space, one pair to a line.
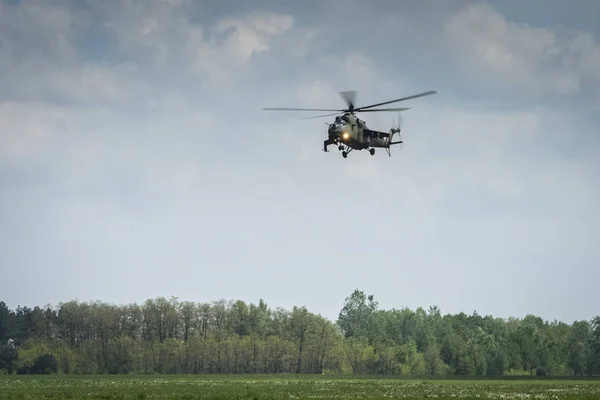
340,147
344,154
372,151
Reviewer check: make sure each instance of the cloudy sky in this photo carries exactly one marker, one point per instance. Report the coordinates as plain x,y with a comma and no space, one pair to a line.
136,160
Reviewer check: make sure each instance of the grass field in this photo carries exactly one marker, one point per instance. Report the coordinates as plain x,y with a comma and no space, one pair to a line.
287,387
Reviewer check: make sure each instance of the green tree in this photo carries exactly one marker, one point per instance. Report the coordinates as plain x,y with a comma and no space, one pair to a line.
356,317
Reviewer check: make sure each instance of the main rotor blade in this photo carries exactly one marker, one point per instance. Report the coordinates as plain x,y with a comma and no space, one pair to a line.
350,97
394,101
321,116
384,109
299,109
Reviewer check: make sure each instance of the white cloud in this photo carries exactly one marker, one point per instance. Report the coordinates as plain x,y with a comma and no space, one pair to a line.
164,35
475,148
529,57
154,37
251,27
83,83
299,41
27,129
248,35
318,94
360,68
39,58
27,28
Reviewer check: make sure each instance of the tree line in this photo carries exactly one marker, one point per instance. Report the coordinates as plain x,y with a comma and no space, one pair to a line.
170,336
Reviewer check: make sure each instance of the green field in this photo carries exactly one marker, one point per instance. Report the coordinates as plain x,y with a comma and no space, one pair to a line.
287,387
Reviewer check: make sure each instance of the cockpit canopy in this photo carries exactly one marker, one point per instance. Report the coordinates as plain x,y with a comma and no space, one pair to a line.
343,120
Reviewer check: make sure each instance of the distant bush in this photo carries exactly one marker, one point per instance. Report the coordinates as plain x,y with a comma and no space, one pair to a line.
517,372
44,364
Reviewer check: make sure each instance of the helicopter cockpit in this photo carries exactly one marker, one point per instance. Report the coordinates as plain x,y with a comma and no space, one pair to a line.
337,124
341,121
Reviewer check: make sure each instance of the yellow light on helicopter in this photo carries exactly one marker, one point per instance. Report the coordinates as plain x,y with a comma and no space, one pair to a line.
345,135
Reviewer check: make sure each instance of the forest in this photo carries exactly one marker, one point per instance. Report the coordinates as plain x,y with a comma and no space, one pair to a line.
170,336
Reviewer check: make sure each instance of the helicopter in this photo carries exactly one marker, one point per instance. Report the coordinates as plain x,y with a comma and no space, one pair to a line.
350,133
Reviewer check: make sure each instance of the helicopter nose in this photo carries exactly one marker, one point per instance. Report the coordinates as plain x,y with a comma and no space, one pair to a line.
333,132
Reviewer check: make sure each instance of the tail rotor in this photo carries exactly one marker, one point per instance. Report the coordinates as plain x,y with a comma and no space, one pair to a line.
395,130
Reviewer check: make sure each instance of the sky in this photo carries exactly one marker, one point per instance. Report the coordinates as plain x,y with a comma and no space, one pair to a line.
136,160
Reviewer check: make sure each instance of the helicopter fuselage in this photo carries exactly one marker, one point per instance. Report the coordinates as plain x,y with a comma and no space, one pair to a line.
353,133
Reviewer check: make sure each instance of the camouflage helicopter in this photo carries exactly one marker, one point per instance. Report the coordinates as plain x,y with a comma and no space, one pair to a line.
349,132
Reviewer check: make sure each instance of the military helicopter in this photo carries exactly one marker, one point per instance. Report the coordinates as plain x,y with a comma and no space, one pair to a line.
349,132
